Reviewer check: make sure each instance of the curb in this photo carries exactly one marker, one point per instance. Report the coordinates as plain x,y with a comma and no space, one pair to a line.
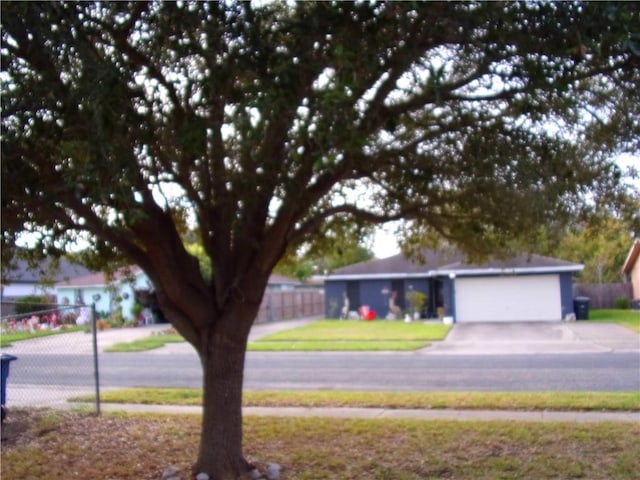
406,414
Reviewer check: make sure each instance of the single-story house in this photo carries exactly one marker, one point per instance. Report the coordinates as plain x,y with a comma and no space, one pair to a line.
125,290
23,279
521,288
121,292
282,282
631,269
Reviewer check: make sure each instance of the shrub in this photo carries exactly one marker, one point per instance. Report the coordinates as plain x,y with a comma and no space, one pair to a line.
622,303
102,325
31,304
416,300
116,318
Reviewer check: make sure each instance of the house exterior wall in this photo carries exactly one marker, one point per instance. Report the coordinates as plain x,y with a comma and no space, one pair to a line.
333,292
370,292
635,279
449,297
111,297
566,294
17,290
83,296
374,293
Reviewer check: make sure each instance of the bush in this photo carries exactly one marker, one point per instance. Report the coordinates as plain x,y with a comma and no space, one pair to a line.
416,301
622,303
31,304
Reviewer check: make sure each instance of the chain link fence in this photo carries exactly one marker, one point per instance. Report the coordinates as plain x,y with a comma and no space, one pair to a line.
55,352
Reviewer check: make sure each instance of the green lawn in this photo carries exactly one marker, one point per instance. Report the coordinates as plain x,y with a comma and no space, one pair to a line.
148,343
619,401
8,338
357,330
356,335
353,335
627,318
325,335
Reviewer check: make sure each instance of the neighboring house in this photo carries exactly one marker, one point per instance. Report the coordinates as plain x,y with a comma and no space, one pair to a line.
108,296
522,288
280,282
124,290
23,280
631,268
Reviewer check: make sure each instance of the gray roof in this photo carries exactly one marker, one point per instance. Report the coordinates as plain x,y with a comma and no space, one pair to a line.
22,272
429,260
435,263
517,261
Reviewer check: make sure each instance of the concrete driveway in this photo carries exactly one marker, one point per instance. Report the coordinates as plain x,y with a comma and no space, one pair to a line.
536,337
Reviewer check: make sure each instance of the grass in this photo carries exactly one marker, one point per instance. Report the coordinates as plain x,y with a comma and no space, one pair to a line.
613,401
379,335
148,343
7,339
339,335
127,447
336,346
627,318
326,335
349,335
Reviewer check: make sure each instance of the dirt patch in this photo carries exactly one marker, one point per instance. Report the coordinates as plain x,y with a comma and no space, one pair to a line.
50,445
14,427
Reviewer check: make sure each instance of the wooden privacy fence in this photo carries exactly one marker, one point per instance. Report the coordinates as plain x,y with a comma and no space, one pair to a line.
603,295
289,304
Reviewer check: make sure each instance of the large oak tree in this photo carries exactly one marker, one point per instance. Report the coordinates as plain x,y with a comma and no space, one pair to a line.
262,126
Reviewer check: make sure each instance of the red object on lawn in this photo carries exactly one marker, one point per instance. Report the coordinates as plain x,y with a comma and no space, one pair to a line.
366,313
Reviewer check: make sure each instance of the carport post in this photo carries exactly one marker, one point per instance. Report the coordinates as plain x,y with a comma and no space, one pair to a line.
94,329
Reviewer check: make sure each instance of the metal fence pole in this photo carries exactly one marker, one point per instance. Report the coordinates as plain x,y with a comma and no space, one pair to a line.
94,328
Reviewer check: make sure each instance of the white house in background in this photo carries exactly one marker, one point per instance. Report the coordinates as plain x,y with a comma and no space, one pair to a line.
108,296
124,289
22,280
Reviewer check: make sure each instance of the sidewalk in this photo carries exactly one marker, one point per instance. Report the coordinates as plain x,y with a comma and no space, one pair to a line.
382,413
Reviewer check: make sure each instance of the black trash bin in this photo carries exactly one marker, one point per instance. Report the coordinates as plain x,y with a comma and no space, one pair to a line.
6,362
581,308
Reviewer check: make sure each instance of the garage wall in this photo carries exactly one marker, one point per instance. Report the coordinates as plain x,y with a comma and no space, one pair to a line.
505,299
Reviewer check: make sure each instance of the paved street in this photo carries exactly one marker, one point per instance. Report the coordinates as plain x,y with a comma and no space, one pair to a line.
540,357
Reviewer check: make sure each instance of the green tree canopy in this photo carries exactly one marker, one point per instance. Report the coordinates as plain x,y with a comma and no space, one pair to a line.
601,244
125,123
329,249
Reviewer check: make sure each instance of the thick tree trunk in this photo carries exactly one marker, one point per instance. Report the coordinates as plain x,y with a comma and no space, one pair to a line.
220,453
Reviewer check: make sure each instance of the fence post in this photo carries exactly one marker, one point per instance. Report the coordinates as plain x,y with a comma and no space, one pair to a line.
94,332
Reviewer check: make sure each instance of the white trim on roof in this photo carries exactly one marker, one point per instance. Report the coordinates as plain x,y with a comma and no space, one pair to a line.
510,271
457,272
377,276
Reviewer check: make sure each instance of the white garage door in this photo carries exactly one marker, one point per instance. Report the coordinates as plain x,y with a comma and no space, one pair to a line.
507,299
